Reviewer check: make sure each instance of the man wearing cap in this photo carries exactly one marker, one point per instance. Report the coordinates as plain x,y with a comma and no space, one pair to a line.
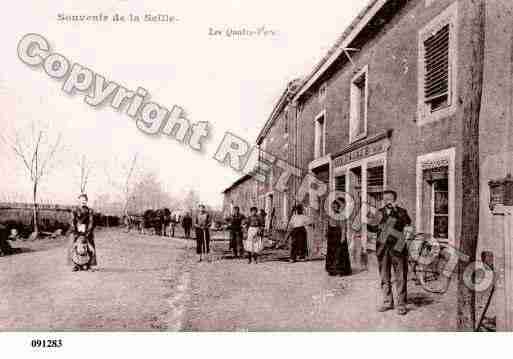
391,250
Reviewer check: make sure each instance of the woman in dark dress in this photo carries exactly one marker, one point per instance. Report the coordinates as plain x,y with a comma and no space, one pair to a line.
82,224
298,234
337,256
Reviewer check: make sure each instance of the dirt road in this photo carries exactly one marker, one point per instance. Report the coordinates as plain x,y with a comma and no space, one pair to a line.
139,285
153,283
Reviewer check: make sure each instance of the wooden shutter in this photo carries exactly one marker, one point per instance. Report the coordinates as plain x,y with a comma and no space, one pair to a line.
375,179
436,81
340,183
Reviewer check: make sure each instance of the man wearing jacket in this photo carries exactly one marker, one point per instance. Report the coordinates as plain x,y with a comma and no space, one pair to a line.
392,251
235,223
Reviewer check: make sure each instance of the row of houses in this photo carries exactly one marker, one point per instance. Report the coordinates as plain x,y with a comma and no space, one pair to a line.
383,109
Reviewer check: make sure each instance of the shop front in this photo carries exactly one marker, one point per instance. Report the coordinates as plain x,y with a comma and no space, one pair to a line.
360,170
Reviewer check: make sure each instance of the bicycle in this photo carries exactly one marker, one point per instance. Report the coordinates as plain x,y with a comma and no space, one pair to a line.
428,261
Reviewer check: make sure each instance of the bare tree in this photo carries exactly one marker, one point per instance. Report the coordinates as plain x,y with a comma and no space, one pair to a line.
147,192
122,179
128,183
36,152
85,170
191,200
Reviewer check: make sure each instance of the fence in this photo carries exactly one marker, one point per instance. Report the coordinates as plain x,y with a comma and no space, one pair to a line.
50,217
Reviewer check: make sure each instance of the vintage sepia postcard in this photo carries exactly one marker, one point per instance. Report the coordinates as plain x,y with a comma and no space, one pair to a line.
255,166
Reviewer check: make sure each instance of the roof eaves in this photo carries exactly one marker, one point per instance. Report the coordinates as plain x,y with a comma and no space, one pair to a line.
343,41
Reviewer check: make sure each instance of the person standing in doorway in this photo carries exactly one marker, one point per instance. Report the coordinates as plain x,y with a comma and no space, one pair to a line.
390,223
337,254
202,224
298,234
235,222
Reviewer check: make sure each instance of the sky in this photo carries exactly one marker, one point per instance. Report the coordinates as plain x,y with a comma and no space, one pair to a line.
231,82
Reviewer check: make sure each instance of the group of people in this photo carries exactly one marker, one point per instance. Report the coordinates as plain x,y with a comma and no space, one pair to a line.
246,235
389,220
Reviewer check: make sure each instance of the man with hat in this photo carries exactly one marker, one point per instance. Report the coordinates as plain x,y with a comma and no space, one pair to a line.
391,250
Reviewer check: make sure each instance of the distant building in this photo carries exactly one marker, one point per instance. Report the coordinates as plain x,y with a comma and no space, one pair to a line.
278,140
242,193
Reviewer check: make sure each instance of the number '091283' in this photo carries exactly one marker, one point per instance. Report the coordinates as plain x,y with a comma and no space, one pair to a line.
46,343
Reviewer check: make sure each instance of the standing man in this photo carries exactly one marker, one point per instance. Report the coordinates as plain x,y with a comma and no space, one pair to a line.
392,251
235,227
187,224
174,220
202,224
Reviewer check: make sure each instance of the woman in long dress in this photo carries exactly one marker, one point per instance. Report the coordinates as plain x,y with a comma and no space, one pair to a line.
337,256
298,234
82,224
254,243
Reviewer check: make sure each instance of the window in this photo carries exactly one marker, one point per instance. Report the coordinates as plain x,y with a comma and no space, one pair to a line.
375,185
340,183
359,102
300,108
320,136
322,92
437,64
286,120
440,208
435,210
285,203
436,74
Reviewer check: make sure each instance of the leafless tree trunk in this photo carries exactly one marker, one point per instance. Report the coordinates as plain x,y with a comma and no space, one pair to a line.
470,156
127,184
85,170
36,153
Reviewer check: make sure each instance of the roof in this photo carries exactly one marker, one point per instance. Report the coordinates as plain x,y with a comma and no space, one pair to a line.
284,99
238,182
351,32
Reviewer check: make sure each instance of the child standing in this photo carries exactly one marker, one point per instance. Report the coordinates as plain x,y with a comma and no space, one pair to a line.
82,254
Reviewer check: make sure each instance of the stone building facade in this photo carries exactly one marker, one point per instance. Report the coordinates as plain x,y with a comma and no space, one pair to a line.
383,110
242,193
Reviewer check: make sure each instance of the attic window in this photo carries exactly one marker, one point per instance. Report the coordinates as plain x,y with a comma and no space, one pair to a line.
437,66
436,75
322,92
